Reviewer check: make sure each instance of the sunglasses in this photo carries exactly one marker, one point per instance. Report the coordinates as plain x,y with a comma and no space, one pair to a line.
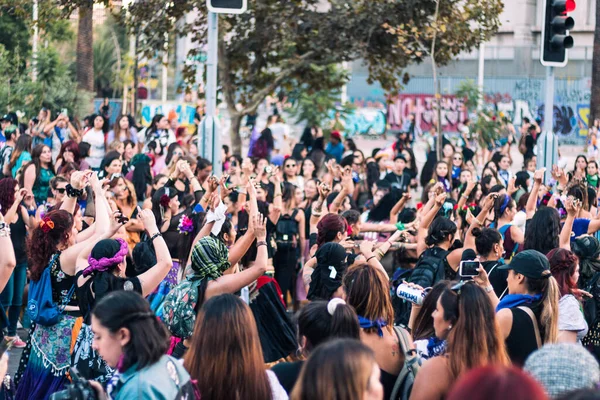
61,190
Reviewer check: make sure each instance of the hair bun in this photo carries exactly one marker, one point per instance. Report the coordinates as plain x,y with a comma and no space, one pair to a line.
476,231
333,303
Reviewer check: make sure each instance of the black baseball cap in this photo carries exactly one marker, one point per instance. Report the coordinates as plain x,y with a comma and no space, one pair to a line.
529,263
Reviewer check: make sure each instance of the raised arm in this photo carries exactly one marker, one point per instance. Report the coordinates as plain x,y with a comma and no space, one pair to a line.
29,177
240,247
488,204
347,188
231,283
573,207
154,276
275,211
398,207
533,196
366,248
79,181
427,220
317,208
463,197
7,255
11,215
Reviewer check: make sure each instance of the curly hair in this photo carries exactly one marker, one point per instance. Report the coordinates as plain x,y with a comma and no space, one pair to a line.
542,232
7,193
41,245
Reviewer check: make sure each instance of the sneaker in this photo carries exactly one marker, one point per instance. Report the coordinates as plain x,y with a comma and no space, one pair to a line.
19,325
16,342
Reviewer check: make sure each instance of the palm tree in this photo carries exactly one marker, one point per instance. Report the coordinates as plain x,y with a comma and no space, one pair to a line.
85,53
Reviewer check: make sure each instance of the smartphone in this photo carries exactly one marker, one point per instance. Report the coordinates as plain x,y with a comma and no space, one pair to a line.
64,112
468,269
234,163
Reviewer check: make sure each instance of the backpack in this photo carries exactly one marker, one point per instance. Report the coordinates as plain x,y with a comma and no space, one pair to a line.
286,231
430,268
412,364
180,307
260,149
590,306
40,306
522,144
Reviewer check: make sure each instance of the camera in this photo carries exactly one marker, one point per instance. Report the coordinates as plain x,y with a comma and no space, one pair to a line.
79,389
469,269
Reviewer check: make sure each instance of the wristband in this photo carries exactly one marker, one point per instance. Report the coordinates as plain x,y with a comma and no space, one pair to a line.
72,192
31,213
261,243
488,288
400,226
370,258
155,236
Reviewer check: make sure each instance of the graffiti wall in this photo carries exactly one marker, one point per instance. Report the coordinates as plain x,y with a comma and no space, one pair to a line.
425,111
517,97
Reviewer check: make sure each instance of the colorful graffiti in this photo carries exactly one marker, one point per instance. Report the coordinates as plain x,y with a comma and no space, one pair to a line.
423,106
366,121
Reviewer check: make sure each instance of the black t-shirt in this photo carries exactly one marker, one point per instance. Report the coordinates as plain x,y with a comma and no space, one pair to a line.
287,374
521,341
18,234
497,276
398,181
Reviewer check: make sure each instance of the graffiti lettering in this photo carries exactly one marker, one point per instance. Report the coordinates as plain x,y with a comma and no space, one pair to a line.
425,110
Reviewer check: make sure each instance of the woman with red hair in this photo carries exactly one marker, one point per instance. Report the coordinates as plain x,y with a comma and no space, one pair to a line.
564,266
69,153
497,383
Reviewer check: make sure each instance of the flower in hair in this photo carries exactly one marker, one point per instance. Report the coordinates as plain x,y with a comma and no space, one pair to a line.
185,225
164,200
46,225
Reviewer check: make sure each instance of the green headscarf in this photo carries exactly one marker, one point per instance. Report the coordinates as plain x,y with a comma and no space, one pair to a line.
210,258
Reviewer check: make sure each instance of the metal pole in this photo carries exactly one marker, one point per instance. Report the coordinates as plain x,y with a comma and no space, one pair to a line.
135,76
34,43
209,133
547,144
480,74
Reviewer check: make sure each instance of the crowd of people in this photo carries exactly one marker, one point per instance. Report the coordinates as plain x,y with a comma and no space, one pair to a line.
305,269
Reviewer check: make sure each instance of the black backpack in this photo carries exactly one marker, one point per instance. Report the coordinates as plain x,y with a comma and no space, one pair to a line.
286,232
590,306
430,268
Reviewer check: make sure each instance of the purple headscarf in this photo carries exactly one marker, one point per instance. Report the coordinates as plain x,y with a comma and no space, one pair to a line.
104,263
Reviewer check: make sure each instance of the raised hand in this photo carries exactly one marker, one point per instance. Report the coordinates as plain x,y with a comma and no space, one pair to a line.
366,247
147,218
440,199
538,176
324,190
213,184
260,227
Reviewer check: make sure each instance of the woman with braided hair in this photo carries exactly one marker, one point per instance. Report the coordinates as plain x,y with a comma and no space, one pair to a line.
104,272
129,337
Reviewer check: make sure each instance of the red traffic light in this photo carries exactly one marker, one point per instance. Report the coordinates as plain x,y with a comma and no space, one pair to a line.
570,6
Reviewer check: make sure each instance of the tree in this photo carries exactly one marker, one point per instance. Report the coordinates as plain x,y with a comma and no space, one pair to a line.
279,44
595,98
85,43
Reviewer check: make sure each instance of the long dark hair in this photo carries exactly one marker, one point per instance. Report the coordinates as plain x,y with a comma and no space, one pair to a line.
23,145
7,193
381,212
42,245
155,120
439,230
227,363
148,337
543,230
35,160
318,325
141,178
267,136
423,325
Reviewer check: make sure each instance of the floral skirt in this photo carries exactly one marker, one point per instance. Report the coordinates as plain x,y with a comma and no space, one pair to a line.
157,298
46,360
88,362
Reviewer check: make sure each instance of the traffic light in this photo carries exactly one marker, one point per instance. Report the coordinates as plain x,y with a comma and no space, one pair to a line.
555,32
227,6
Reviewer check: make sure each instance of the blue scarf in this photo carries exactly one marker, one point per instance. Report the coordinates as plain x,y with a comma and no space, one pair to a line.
367,323
436,347
516,300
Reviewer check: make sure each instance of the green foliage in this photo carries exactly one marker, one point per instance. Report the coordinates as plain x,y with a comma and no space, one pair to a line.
469,91
55,89
109,62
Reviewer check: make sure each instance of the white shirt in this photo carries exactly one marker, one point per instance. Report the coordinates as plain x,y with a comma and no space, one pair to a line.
280,133
570,316
96,140
277,390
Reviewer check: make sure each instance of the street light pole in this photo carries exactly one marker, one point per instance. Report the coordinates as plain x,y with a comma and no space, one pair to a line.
35,41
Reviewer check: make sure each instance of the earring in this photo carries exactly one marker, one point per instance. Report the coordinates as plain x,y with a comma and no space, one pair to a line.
450,327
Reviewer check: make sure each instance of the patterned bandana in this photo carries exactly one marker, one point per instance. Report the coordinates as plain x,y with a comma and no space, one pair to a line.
209,258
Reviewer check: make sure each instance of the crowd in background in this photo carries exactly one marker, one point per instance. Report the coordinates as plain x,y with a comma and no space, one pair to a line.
304,269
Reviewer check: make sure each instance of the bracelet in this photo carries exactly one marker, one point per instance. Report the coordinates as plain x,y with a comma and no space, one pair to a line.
277,195
155,236
488,288
465,196
261,243
31,213
400,226
380,253
204,199
370,258
72,192
5,232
